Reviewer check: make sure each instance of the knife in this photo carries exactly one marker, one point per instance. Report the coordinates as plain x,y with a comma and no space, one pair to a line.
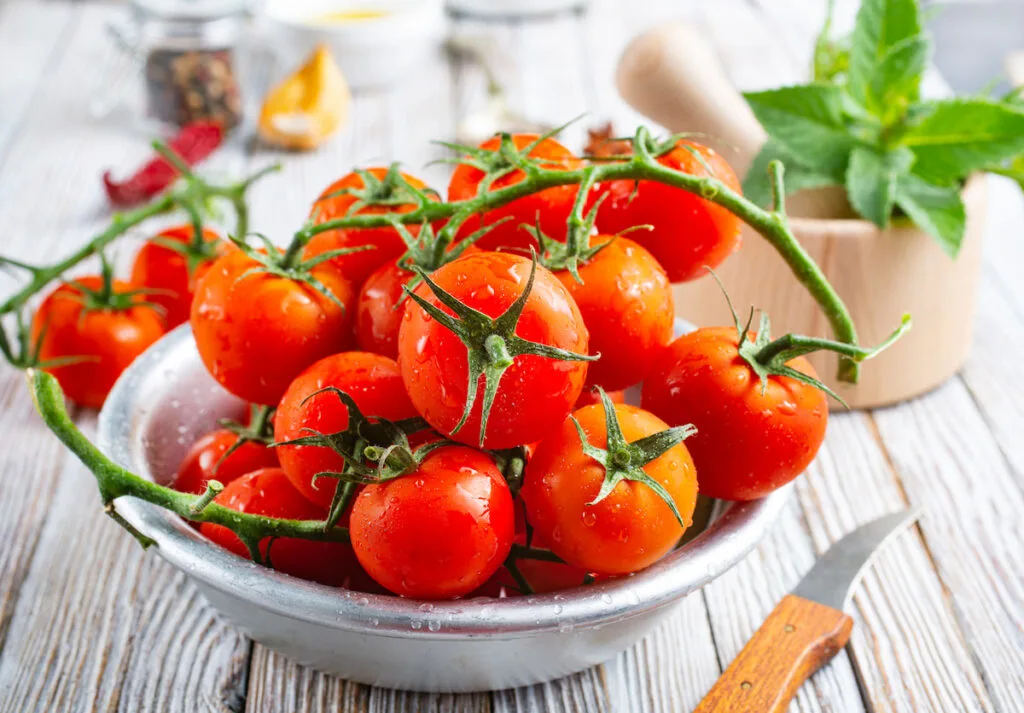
806,629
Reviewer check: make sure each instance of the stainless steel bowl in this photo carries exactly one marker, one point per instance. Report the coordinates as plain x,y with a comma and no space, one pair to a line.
166,400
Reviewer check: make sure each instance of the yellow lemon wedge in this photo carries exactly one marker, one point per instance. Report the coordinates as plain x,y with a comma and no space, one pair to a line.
305,109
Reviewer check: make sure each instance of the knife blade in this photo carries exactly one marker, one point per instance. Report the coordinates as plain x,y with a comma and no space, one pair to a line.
807,628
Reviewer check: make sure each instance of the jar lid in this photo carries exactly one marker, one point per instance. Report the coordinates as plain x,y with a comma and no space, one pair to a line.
190,9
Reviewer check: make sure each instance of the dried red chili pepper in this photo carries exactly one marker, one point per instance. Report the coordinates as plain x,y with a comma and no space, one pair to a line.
193,143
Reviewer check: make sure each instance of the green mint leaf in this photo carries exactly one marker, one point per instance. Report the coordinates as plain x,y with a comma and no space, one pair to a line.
897,81
956,137
881,24
798,177
1011,169
871,181
937,210
807,122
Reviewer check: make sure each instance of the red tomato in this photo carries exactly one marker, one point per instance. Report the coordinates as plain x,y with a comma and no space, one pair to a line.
169,273
543,576
689,232
387,243
626,303
107,339
256,331
439,532
535,393
592,396
632,527
268,492
749,441
552,205
205,461
373,382
379,309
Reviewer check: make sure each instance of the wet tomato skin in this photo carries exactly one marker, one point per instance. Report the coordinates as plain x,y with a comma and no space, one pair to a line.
256,332
551,205
592,396
268,492
379,309
688,232
374,383
439,532
166,271
386,242
205,461
626,302
632,527
748,443
536,393
107,340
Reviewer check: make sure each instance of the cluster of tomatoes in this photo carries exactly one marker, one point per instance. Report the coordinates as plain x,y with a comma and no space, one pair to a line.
458,413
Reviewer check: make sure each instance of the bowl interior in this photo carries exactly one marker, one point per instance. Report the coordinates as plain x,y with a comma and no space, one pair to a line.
167,400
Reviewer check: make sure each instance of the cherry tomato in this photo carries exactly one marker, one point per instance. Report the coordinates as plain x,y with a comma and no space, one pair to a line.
168,272
379,309
632,527
268,492
543,576
373,382
626,303
256,331
749,440
535,393
387,243
205,461
552,205
107,338
439,532
689,232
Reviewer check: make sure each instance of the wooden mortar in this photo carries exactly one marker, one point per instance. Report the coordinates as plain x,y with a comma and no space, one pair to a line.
670,75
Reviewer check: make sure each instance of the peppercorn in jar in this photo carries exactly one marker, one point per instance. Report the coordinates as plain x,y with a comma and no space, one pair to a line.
187,51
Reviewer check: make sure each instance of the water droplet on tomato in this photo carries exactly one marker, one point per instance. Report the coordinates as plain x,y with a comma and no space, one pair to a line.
786,408
589,518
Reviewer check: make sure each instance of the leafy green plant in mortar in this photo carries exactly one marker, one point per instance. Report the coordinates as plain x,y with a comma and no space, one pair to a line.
863,124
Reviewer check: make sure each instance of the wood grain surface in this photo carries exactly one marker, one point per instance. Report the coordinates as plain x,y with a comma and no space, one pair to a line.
88,622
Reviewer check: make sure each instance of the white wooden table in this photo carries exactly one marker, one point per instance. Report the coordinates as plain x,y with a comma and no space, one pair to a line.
90,622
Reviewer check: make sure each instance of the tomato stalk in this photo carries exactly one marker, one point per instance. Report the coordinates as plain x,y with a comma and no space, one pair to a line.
191,195
115,482
641,165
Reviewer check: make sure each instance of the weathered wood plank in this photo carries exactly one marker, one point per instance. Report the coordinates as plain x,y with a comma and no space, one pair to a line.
951,464
31,36
81,639
907,646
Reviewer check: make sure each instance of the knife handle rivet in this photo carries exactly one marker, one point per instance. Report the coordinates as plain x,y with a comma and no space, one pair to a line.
746,685
789,628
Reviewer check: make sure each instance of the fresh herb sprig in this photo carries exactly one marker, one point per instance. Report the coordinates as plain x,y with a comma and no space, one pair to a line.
861,123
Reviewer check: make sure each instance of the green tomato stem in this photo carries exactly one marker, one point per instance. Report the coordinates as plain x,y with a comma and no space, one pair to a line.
770,224
116,482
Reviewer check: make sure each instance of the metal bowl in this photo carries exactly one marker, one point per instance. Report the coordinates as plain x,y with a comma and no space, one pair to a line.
166,400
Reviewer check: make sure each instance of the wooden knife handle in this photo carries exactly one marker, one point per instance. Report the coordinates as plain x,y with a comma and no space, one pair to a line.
798,638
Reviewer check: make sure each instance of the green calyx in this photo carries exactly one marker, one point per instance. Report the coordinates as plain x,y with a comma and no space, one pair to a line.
106,298
768,357
625,461
196,252
491,344
576,250
288,265
374,450
259,430
391,191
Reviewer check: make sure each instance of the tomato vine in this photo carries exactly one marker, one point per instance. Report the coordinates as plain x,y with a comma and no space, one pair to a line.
193,193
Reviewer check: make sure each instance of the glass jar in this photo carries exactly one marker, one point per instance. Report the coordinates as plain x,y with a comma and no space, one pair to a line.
186,54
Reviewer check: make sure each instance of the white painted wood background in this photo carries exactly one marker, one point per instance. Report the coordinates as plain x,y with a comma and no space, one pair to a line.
88,622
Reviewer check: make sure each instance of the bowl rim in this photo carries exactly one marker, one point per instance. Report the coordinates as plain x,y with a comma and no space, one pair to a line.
726,541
